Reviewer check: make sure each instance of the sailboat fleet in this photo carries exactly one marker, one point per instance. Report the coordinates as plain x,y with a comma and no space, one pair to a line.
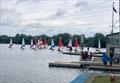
37,44
40,44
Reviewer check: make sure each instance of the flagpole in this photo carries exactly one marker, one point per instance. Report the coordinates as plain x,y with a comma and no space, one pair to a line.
119,15
112,18
112,22
119,21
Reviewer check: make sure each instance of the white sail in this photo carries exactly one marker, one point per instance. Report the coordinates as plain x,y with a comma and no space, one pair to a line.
99,44
70,43
23,43
31,45
11,41
52,43
31,42
11,44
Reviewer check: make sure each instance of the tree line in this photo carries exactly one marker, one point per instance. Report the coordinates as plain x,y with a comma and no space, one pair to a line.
88,41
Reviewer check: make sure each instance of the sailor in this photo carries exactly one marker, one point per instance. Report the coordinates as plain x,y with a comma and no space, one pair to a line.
89,54
105,58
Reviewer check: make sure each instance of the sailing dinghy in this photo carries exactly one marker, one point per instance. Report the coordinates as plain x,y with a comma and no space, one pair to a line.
76,45
60,45
45,43
23,44
32,45
70,45
52,47
11,44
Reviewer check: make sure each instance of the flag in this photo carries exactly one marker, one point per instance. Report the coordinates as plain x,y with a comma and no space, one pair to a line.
114,9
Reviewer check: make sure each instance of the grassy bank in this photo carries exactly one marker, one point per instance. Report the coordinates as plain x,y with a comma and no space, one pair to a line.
105,79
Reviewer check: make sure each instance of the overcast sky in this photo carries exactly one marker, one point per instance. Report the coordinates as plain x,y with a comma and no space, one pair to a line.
36,17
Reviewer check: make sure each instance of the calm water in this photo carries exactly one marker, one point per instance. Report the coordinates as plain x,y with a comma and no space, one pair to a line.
30,66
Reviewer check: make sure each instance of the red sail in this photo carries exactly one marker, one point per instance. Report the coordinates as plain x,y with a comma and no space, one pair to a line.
41,42
60,44
76,43
36,41
45,42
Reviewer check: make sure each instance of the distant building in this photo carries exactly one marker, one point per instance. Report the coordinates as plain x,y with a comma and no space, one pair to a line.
113,43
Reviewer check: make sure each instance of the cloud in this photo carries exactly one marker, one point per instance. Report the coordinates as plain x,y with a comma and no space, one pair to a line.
60,12
9,17
56,16
82,3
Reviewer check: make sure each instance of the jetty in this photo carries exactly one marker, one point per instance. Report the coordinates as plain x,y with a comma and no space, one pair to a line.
105,68
79,64
92,65
79,54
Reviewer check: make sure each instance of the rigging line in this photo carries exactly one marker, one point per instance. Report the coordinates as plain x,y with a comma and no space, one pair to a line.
72,7
92,9
80,16
98,4
116,22
93,15
95,12
94,24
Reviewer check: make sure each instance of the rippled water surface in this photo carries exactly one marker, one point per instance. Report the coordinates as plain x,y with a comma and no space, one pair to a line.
30,66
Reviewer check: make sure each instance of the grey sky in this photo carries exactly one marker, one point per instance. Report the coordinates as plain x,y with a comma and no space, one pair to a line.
35,17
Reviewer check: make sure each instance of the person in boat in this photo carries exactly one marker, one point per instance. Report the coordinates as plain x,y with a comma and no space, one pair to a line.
76,50
58,49
70,49
110,57
10,46
84,55
105,59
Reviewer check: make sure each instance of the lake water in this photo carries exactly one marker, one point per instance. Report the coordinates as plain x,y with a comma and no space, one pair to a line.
30,66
